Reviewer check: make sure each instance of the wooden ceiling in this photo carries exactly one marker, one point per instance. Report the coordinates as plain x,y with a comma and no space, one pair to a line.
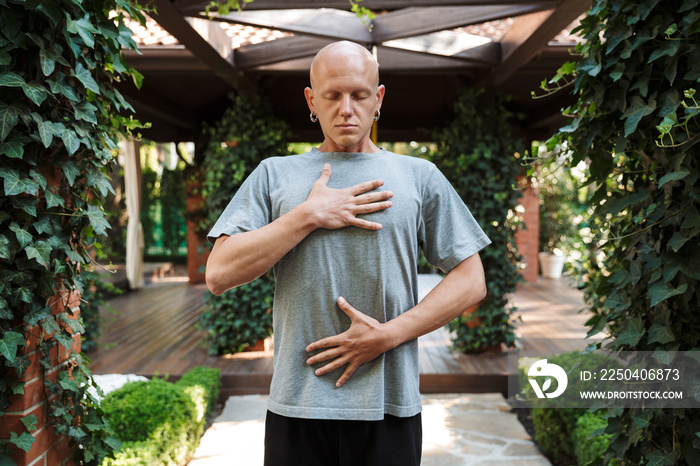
426,50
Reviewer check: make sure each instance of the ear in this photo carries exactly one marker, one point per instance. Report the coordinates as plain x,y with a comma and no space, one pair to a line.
309,94
380,95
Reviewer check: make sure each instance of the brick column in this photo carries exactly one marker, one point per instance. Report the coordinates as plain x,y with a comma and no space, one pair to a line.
48,449
527,239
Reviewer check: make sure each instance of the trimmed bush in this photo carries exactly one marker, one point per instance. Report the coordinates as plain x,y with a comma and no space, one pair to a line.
160,422
590,444
554,427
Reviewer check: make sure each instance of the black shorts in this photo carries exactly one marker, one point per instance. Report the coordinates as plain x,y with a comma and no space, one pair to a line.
310,442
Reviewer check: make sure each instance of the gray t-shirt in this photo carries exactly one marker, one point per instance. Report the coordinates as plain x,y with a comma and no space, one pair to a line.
375,271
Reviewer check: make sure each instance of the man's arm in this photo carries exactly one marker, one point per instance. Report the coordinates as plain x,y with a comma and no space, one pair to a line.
241,258
367,338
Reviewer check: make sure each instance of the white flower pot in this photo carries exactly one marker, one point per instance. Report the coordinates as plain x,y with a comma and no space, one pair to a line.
551,265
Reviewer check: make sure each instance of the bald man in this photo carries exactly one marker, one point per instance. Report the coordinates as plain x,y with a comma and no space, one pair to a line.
344,247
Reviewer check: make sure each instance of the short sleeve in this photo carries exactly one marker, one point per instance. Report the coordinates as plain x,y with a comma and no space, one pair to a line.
448,232
248,210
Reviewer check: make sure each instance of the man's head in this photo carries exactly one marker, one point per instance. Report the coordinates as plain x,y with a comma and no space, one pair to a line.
345,94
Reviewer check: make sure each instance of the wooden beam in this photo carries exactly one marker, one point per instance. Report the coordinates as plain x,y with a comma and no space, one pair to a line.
194,7
173,22
530,33
451,44
418,21
283,49
332,24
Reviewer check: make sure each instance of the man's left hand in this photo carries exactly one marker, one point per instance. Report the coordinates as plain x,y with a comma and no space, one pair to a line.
365,340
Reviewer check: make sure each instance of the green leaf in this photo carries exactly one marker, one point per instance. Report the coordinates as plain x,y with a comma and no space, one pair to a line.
11,79
669,48
70,140
9,117
13,149
83,28
85,111
63,89
661,333
659,458
661,291
23,442
638,110
74,324
85,78
14,185
48,64
9,344
36,92
673,176
22,235
97,219
54,200
46,129
677,241
41,252
70,171
30,422
632,332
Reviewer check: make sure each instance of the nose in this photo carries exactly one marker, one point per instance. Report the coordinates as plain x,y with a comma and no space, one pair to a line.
346,105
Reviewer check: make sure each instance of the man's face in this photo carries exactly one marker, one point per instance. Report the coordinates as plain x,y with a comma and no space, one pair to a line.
345,96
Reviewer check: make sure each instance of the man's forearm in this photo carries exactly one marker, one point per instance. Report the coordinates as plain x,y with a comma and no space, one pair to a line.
242,258
463,287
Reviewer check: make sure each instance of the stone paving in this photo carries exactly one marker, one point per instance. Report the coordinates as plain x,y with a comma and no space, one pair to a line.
458,429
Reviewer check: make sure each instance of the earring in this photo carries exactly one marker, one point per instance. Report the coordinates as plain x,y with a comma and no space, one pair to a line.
313,117
377,114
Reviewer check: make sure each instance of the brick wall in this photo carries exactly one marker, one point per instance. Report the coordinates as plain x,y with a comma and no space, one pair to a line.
48,449
527,240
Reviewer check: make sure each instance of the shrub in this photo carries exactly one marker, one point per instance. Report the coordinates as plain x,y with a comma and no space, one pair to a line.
589,442
160,422
554,427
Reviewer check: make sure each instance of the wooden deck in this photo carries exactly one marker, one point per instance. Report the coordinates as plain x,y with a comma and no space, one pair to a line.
152,331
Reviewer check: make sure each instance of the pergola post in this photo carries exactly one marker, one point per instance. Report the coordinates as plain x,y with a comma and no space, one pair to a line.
134,231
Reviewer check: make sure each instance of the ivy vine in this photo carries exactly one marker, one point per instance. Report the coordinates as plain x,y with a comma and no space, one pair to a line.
60,118
635,124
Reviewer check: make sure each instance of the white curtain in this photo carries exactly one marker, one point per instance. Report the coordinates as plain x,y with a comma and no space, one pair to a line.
134,231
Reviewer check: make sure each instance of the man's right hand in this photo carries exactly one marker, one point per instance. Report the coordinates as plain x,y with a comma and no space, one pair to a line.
339,208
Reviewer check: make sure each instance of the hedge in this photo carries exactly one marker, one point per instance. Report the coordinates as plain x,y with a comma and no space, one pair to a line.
160,422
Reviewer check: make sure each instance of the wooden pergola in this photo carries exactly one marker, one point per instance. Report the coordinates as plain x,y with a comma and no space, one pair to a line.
427,50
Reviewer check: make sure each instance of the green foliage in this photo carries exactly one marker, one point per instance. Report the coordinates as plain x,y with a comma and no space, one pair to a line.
635,122
239,317
245,135
59,123
590,444
160,422
554,427
478,154
163,209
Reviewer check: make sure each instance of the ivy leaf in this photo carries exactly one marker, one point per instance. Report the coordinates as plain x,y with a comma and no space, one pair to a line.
53,200
638,110
35,92
48,64
85,111
63,89
23,236
97,219
83,28
669,48
23,442
12,149
659,458
70,140
661,333
673,176
11,80
632,333
9,344
14,185
41,252
74,324
661,291
9,117
70,171
677,241
85,78
30,422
